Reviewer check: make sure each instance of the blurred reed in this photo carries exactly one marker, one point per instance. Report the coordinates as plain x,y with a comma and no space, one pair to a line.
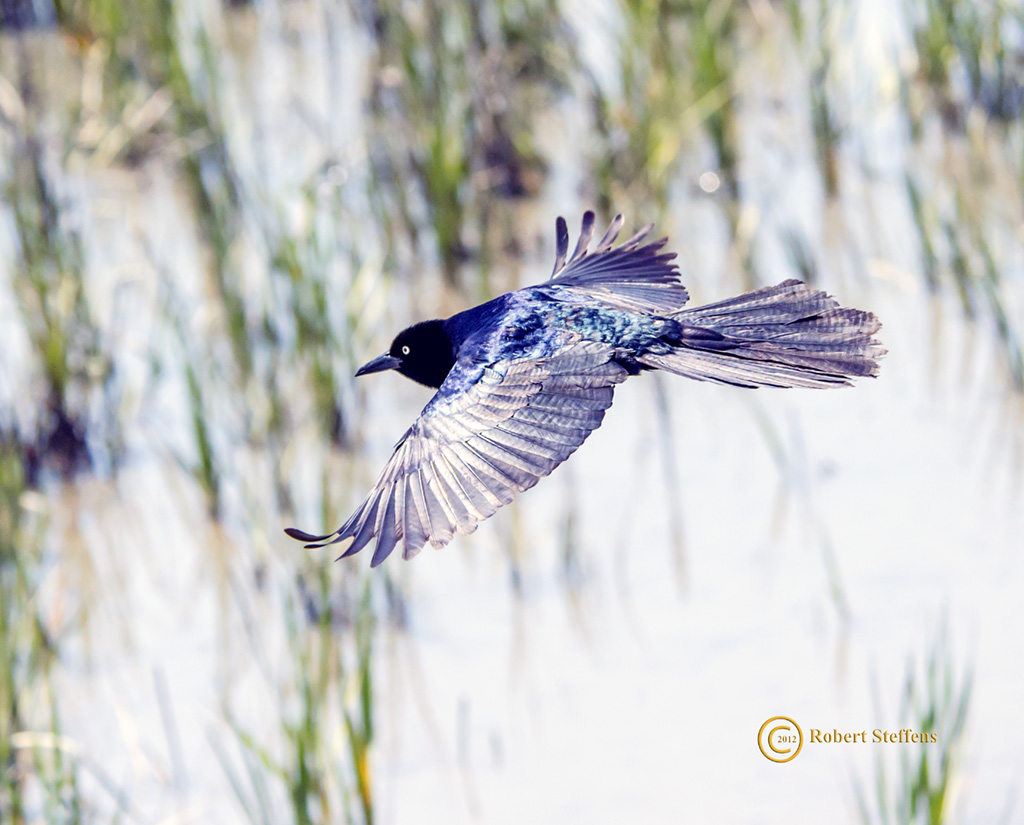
37,780
317,766
920,789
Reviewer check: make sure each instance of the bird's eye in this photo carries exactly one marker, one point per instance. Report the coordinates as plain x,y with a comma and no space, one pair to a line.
405,350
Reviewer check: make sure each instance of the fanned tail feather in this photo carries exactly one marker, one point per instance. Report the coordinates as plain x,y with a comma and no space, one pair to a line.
788,335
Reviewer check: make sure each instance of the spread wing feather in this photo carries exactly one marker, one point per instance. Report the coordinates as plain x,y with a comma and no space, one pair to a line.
633,276
470,452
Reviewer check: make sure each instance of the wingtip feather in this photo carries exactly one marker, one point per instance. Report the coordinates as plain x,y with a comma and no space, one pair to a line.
302,535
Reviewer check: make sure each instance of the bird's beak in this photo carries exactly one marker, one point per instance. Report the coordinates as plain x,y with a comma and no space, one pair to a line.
379,364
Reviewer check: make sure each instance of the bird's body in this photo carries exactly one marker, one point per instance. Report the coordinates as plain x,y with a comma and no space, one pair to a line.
523,379
536,322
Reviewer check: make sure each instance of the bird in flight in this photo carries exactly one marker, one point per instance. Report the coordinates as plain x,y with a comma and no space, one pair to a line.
523,379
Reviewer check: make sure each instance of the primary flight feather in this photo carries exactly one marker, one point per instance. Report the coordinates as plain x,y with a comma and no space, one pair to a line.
523,379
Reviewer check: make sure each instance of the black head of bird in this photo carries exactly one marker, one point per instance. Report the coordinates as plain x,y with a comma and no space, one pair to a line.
423,352
523,379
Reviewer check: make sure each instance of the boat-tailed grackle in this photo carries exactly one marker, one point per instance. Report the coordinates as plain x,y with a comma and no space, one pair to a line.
523,379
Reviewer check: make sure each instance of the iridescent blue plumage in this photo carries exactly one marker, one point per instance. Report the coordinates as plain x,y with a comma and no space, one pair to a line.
523,379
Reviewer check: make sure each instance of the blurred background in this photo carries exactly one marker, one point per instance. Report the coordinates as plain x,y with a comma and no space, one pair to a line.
213,212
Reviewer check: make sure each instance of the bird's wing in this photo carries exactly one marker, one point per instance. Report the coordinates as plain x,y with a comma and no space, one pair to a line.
471,451
633,276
